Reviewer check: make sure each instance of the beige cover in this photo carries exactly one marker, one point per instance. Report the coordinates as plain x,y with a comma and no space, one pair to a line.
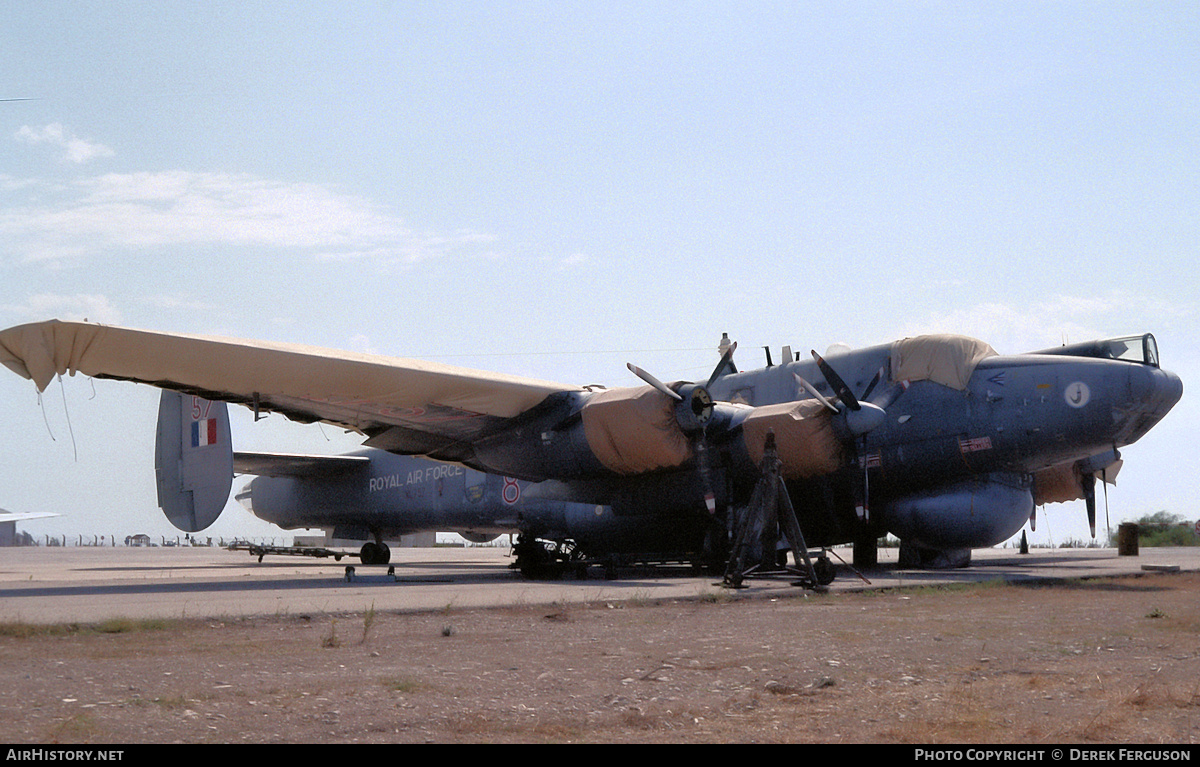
359,391
1057,484
630,430
803,433
946,359
633,430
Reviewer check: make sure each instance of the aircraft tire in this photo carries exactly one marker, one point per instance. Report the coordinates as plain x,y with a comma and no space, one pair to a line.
825,571
367,553
532,559
375,553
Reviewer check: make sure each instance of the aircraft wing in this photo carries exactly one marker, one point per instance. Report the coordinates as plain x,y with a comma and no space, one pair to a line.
422,407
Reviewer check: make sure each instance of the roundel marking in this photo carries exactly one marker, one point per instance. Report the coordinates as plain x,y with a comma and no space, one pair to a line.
512,491
1077,394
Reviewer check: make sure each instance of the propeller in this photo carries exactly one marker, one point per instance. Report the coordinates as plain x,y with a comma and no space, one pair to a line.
861,417
694,408
1091,469
1088,482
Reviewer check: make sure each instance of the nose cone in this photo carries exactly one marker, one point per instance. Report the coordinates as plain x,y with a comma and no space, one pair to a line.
1153,392
1157,389
1170,390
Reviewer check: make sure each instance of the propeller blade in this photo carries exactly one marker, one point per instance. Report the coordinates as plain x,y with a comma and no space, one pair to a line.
701,450
726,362
657,384
866,417
1104,482
836,383
892,394
866,481
874,382
816,394
1089,497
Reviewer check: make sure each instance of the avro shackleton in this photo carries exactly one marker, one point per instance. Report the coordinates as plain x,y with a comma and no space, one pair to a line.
938,440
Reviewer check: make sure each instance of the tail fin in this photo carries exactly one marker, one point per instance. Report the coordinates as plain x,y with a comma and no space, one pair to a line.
193,459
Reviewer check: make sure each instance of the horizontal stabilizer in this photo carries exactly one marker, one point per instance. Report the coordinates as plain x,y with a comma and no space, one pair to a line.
293,465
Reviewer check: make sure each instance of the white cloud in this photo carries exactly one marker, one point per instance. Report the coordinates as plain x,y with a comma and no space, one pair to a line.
129,211
77,150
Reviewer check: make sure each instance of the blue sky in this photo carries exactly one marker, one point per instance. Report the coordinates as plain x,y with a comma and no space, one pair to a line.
553,189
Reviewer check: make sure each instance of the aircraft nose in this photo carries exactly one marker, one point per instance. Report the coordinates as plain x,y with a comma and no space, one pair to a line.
1158,389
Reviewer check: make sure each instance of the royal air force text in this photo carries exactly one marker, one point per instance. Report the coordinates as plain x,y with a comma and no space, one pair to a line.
429,474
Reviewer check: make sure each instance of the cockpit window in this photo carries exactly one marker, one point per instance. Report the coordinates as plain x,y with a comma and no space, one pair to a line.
1142,349
1150,350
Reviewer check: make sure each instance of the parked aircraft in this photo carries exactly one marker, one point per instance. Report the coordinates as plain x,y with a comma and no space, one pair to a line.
938,440
9,520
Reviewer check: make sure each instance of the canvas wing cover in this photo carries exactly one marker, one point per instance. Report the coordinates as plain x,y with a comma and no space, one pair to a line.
423,407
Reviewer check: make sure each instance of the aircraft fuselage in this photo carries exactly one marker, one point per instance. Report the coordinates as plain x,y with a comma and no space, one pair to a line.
946,467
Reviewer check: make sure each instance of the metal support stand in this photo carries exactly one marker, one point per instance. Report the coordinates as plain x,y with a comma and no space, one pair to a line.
769,509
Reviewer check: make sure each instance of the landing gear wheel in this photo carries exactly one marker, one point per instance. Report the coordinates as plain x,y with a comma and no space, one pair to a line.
533,560
546,559
368,553
375,553
824,570
610,568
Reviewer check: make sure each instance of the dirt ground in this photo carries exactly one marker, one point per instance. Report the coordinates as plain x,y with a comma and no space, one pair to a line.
1095,662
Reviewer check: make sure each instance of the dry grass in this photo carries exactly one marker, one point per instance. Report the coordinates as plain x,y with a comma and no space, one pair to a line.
1091,662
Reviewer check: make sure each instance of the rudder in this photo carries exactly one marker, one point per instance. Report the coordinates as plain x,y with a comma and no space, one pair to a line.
193,459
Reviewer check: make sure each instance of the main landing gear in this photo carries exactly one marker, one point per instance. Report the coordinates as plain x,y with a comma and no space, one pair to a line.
541,559
375,553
